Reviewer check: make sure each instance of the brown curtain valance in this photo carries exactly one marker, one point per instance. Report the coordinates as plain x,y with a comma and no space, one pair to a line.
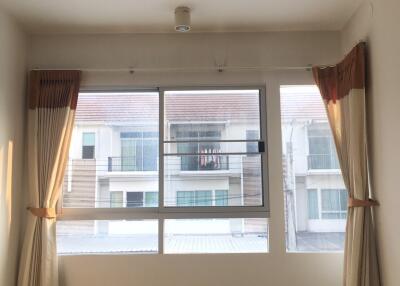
54,88
337,81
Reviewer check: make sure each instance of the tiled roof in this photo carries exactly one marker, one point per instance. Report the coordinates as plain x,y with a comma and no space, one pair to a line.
109,107
301,105
129,107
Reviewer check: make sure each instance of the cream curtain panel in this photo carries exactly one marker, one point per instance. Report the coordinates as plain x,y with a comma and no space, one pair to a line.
52,102
343,90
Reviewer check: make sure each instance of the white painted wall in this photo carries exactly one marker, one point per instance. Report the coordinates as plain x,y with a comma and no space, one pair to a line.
12,115
194,50
380,28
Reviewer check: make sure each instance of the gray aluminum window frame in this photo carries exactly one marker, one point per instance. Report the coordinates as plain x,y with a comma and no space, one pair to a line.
162,212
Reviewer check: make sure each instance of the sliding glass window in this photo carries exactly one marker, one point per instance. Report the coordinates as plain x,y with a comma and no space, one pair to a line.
174,165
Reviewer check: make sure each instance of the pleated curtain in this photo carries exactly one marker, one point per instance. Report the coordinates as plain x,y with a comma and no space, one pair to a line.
52,100
343,90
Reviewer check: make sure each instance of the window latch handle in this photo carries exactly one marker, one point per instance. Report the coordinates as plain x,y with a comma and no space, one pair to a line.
261,146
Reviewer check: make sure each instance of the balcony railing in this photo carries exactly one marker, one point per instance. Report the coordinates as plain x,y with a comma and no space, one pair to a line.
188,163
204,162
323,162
130,164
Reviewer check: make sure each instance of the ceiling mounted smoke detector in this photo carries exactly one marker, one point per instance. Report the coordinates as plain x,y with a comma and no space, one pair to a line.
182,19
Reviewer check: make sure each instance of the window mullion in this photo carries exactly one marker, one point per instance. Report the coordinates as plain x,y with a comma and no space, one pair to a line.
161,236
161,150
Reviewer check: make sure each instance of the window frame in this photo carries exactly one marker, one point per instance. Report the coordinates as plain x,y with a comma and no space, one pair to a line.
162,212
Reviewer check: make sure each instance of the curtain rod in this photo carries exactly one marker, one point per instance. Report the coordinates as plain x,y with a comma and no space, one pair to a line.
187,69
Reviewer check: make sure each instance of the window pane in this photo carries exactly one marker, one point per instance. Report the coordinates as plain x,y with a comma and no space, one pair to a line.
251,135
185,199
210,127
151,199
248,235
117,199
88,139
134,199
313,212
126,129
315,219
150,154
128,155
87,152
107,236
88,145
321,148
203,198
319,145
343,200
221,198
331,215
330,200
242,180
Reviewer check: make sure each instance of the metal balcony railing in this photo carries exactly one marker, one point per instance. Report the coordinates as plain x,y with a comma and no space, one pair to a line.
188,163
204,162
323,162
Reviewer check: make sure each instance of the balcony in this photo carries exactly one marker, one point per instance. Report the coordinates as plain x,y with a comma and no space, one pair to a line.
188,163
323,162
205,163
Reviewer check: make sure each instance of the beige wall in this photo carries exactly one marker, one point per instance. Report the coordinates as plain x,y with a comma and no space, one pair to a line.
201,50
12,103
379,26
182,51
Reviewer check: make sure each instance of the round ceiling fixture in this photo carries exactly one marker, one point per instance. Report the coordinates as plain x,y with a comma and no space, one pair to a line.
182,19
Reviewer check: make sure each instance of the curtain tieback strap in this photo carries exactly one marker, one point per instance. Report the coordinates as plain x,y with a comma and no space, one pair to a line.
353,203
43,212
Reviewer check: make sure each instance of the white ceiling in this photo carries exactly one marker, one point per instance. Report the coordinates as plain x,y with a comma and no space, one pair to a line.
137,16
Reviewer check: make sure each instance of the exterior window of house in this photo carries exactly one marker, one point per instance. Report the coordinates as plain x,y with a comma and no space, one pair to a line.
322,152
221,198
134,199
116,199
185,198
333,204
88,145
139,151
151,199
314,191
313,209
176,171
194,198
